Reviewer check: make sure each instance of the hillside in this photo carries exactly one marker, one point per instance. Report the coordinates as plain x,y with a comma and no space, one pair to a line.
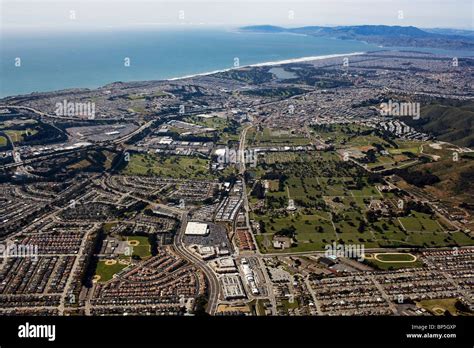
390,36
450,123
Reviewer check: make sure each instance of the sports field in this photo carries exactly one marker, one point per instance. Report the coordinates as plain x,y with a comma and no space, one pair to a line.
440,306
385,261
140,246
106,269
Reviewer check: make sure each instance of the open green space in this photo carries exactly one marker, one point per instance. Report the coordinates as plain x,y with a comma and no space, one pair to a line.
287,305
389,261
226,130
18,135
441,305
171,166
332,200
267,136
419,222
106,272
395,257
142,249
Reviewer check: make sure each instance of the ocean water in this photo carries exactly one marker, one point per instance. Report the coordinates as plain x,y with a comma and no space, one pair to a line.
57,61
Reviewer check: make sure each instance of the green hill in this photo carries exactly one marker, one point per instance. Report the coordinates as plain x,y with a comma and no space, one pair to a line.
450,123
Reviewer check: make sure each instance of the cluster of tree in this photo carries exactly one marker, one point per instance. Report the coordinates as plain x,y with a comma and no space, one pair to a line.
188,92
120,162
362,226
200,306
45,134
418,178
212,137
262,226
275,92
371,216
232,128
276,202
275,175
153,240
254,76
232,178
367,102
387,136
378,147
312,202
418,207
465,182
8,145
96,160
135,207
374,178
287,232
258,190
5,160
370,157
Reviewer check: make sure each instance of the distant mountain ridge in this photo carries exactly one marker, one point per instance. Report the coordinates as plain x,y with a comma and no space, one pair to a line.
385,35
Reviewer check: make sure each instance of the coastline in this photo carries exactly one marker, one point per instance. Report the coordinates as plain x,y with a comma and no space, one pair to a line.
271,63
268,63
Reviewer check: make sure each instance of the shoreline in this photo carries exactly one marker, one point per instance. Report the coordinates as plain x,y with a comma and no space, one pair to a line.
207,73
271,63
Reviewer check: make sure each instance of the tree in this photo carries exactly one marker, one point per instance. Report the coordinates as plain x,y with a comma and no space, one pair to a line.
371,216
362,226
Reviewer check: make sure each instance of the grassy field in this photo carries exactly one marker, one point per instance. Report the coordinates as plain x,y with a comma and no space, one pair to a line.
413,147
332,201
273,137
17,135
142,249
226,131
172,167
289,306
313,231
395,257
280,157
419,222
392,261
439,306
3,141
106,272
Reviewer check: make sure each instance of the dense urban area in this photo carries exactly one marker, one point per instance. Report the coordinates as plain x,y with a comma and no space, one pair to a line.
338,186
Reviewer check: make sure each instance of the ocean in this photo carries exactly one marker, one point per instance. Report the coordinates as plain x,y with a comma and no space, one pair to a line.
53,61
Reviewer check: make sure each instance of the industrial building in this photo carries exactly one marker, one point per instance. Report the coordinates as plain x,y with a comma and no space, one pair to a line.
196,229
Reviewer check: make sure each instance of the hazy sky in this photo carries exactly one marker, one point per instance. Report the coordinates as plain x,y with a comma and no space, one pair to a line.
63,15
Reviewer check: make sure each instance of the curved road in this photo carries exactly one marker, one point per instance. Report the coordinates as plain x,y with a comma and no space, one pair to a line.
213,283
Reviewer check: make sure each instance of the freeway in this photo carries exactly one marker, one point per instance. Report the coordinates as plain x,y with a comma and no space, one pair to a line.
186,254
79,148
242,165
45,114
